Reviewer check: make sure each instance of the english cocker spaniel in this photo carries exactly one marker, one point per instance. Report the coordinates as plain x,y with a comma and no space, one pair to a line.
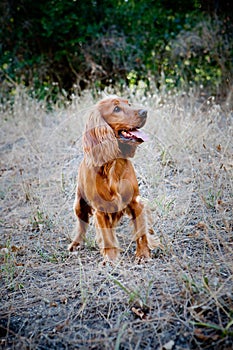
107,185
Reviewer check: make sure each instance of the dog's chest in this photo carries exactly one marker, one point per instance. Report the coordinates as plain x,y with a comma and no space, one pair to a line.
114,190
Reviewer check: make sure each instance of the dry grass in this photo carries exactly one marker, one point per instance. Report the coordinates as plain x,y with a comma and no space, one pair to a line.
183,298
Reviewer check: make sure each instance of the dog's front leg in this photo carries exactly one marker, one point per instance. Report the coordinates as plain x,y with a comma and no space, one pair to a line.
106,237
82,211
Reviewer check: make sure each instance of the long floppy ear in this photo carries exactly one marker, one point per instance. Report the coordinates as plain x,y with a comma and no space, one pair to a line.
99,141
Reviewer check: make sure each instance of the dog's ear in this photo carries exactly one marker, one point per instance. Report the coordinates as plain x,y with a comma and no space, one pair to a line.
99,141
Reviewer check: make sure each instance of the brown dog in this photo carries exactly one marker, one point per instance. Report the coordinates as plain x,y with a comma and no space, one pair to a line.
107,186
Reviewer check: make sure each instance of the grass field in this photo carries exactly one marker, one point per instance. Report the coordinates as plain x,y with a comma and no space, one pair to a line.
183,297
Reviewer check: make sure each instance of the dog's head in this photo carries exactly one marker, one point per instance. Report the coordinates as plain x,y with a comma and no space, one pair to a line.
113,131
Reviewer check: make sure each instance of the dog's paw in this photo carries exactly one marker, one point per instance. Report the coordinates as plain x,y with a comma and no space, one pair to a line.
110,255
108,263
73,247
142,259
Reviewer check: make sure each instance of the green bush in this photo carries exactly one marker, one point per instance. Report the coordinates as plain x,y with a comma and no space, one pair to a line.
57,45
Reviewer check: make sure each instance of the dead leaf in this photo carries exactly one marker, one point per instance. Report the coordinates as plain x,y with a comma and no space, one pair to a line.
199,333
187,180
14,248
139,312
60,326
53,304
194,235
202,226
64,300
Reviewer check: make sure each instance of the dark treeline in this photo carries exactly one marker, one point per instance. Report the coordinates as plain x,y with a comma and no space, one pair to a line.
61,43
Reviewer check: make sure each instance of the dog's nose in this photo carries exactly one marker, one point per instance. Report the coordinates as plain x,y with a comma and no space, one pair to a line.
142,113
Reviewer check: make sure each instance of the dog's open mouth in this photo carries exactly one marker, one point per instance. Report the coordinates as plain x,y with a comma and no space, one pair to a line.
134,135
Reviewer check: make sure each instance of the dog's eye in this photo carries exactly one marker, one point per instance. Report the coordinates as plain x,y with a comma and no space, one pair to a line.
116,109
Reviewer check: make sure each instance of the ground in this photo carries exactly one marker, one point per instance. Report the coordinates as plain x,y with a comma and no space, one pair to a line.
183,297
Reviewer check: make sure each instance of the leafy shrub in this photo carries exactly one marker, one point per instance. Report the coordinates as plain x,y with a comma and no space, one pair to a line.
201,55
54,45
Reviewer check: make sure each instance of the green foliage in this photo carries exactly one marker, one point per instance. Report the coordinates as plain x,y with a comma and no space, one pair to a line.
59,44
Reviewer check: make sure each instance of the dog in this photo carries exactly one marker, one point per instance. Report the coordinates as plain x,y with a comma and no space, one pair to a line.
107,185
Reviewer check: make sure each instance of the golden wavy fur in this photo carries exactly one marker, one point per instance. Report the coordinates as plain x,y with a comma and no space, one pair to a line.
107,185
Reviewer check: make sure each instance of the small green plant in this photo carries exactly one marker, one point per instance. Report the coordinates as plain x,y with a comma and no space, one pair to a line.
90,242
136,297
41,220
119,336
211,198
132,295
53,257
164,205
9,267
165,157
225,331
191,284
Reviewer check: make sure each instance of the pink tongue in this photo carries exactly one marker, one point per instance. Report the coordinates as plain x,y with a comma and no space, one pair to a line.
139,134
